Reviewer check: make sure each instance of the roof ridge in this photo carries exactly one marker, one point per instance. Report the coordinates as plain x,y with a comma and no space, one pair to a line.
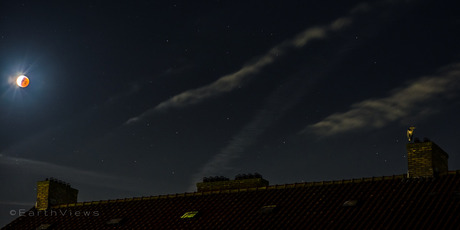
270,187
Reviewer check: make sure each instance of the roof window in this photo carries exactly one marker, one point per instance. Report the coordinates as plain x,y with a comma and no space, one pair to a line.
267,209
189,215
44,226
114,221
350,203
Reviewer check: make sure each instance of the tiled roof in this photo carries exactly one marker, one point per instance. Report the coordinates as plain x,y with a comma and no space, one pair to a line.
394,202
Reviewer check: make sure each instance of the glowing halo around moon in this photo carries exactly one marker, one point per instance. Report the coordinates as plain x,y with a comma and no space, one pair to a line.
22,81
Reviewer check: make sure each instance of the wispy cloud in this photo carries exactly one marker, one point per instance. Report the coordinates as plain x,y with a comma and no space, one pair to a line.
28,204
219,162
77,175
132,89
418,97
232,81
277,103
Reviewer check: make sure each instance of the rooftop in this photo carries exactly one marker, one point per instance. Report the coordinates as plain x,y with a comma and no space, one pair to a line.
366,203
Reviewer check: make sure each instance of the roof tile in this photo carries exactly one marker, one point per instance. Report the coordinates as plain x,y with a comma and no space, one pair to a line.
377,202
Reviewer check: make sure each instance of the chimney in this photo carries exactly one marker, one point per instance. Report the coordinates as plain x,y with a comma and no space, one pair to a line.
223,183
426,159
51,192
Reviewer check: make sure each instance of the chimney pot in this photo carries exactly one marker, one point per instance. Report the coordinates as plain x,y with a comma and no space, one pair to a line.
223,183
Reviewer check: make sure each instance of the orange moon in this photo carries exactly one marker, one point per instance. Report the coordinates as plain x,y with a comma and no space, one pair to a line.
22,81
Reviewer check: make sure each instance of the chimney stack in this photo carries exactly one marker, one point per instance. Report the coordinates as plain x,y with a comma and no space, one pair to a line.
223,183
51,192
426,159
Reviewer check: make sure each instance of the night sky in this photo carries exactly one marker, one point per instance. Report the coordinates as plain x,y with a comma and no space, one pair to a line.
148,97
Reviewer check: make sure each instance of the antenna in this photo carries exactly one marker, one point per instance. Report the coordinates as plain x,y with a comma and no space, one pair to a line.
410,133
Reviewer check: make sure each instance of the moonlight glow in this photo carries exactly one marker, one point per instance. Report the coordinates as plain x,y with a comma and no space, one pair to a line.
22,81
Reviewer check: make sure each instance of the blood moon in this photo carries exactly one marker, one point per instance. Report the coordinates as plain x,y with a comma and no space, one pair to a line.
22,81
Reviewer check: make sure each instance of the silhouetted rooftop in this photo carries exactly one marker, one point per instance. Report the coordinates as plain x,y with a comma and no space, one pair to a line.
391,202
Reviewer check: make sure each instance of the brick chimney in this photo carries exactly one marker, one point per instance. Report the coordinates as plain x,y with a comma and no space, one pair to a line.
426,159
51,192
223,183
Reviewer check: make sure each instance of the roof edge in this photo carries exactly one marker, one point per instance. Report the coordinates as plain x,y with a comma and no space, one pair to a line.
270,187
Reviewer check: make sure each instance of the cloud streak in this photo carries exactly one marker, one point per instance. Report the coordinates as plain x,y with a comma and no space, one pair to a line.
232,81
282,99
77,175
29,204
274,108
416,98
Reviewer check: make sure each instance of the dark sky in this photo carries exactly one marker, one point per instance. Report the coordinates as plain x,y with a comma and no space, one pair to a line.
147,97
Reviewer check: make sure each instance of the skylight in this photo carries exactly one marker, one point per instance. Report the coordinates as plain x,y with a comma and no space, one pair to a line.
43,226
189,215
114,221
350,203
267,209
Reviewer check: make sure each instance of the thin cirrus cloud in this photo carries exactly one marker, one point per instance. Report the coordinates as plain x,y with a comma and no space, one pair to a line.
219,162
79,175
415,99
281,100
232,81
